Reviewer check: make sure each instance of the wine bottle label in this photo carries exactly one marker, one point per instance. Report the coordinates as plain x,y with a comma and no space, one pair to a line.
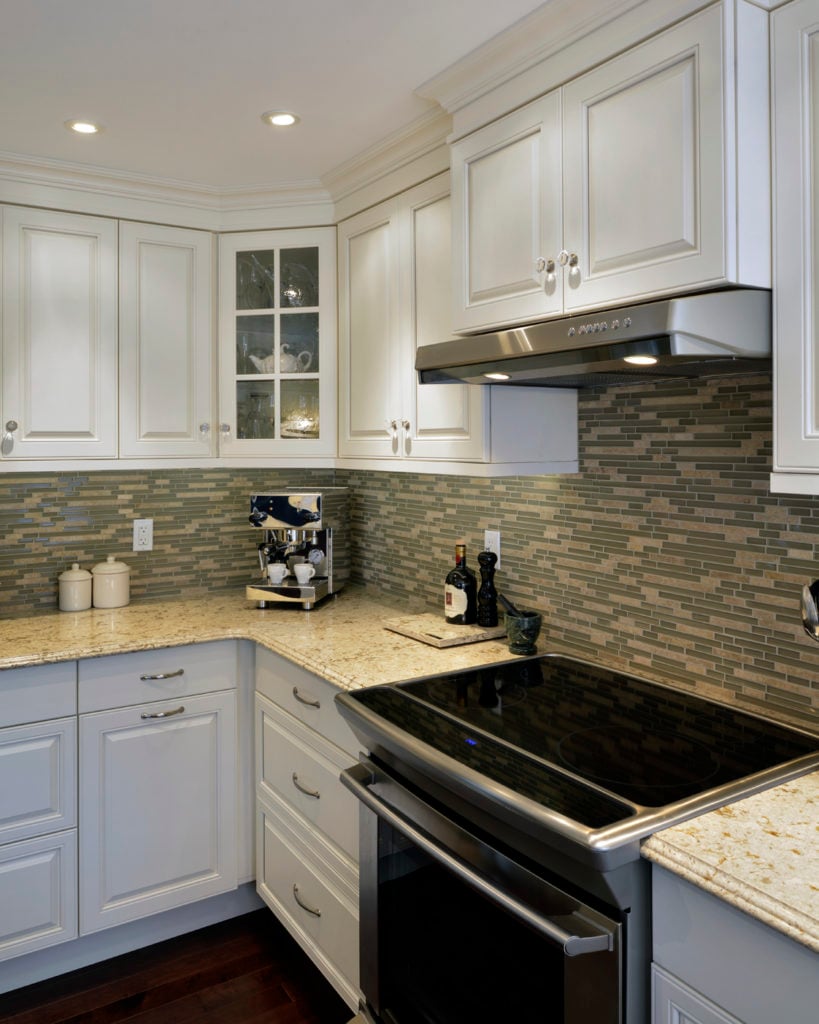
455,601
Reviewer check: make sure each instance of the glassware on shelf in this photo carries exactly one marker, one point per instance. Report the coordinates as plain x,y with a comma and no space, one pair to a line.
300,409
299,277
255,409
256,280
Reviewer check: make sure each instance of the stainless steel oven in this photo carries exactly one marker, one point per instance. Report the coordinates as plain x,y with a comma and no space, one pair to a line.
501,816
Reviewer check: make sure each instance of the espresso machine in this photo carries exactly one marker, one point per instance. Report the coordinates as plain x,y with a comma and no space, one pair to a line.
303,528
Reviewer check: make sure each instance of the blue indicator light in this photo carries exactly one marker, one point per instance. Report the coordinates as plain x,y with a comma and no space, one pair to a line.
470,742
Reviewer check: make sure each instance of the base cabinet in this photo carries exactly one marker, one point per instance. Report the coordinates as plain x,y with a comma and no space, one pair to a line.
674,1002
306,822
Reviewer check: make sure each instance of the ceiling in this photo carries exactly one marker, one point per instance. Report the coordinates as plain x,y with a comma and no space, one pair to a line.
179,85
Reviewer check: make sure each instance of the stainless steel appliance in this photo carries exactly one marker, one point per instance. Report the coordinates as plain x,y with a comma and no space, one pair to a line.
301,526
719,332
501,816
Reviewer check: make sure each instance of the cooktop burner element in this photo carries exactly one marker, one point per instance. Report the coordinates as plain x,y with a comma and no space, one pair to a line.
596,756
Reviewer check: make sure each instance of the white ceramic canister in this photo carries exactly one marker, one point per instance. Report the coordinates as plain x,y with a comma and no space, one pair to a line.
74,587
112,583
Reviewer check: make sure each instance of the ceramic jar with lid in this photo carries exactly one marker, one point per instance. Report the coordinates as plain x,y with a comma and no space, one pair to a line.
112,583
74,586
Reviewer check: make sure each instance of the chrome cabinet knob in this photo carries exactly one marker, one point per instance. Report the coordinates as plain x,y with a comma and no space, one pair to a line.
543,264
204,428
7,442
566,258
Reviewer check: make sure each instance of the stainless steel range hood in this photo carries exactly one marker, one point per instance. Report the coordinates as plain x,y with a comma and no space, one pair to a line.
700,335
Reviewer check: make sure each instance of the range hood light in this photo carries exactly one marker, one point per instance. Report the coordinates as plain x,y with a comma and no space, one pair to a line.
640,360
496,376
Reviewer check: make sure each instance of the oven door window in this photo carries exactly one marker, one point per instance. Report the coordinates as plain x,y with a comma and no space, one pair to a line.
449,955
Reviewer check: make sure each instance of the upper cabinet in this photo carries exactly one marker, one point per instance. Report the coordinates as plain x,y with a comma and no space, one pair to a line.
277,302
648,175
395,287
795,80
59,344
166,341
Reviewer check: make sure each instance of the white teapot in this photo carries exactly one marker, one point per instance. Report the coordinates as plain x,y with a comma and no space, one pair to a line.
288,363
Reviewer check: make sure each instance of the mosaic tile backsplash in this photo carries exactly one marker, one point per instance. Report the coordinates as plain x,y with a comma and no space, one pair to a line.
666,554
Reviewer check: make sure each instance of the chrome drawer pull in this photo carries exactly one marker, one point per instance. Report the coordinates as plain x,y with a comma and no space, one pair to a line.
310,910
302,789
162,714
302,700
163,675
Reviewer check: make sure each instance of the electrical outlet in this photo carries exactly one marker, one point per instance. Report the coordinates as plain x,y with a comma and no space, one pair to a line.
143,535
491,542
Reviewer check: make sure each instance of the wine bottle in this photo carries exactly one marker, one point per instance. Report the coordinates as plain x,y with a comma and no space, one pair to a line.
460,591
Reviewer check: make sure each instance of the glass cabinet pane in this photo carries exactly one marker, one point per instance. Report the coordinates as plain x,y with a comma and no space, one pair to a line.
255,344
300,408
299,277
256,409
300,343
256,279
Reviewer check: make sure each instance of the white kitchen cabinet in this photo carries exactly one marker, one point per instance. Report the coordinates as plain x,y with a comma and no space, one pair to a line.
795,78
158,789
166,342
646,176
395,286
38,781
673,1002
59,343
277,329
307,822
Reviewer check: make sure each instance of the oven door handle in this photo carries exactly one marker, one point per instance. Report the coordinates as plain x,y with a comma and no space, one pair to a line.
358,779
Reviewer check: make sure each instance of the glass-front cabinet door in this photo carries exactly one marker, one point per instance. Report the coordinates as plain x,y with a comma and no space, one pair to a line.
278,343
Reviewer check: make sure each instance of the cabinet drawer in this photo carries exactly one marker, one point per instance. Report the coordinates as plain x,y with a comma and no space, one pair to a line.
38,893
305,696
318,909
144,676
38,692
296,766
38,773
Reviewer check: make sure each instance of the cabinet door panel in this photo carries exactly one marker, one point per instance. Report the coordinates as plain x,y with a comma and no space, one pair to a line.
59,334
507,216
166,342
644,189
157,802
37,778
368,318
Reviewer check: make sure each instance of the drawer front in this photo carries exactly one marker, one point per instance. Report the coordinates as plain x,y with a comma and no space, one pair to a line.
120,680
38,779
305,696
39,692
297,767
317,908
38,893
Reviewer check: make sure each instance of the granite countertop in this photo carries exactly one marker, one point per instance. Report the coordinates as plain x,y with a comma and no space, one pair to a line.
760,854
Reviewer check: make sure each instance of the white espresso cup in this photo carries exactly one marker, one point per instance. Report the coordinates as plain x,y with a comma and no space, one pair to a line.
276,572
304,572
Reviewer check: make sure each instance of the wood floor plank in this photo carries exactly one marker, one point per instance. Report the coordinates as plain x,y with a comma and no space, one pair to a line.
240,971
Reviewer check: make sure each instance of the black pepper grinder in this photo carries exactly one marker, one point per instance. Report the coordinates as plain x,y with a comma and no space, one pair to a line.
487,595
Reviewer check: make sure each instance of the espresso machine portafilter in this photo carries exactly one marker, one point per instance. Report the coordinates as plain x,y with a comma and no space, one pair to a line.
300,527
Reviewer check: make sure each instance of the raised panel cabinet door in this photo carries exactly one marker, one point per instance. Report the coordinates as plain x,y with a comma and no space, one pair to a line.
166,341
59,387
38,893
369,324
158,807
506,211
673,1002
38,779
646,202
442,421
795,49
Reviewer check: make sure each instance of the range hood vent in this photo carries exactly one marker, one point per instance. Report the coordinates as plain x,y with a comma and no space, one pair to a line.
722,332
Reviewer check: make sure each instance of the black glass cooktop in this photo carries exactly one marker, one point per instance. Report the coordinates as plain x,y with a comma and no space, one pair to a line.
535,723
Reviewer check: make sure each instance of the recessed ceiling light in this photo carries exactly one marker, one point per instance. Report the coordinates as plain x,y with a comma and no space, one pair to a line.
496,376
640,360
280,118
83,127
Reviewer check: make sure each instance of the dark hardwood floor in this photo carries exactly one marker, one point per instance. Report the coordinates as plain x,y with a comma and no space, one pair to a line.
244,971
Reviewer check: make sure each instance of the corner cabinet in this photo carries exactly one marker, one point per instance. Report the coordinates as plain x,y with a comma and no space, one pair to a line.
795,78
648,175
277,343
59,343
394,295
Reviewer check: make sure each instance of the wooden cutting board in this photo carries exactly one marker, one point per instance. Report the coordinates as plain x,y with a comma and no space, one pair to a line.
435,630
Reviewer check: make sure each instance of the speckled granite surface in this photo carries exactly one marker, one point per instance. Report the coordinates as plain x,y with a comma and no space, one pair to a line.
760,854
341,639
